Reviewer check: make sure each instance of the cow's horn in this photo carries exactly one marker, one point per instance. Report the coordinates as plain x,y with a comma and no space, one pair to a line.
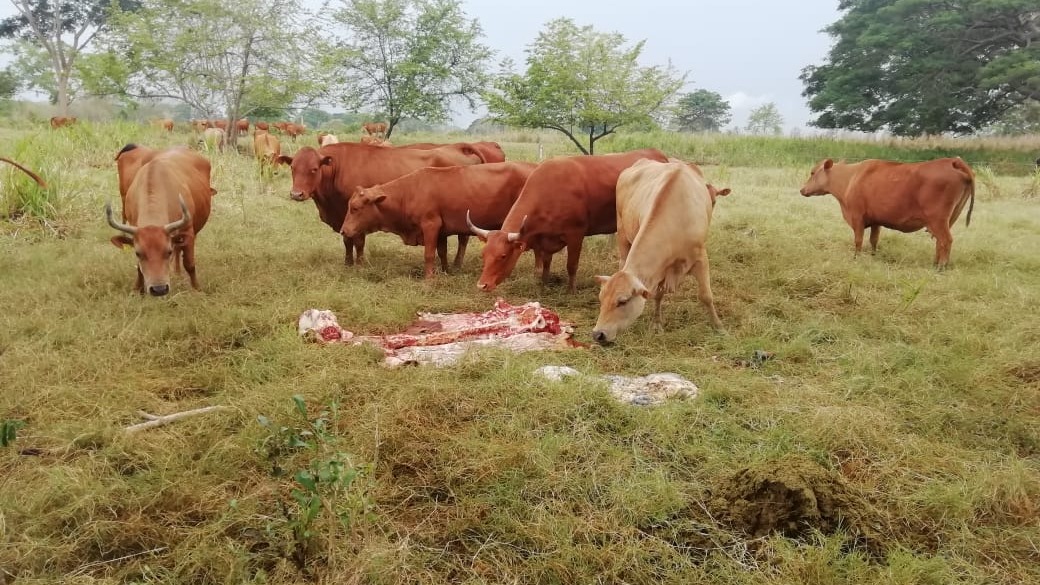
479,232
514,236
129,229
183,221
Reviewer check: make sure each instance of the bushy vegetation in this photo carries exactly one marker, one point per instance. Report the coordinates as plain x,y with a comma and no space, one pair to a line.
894,434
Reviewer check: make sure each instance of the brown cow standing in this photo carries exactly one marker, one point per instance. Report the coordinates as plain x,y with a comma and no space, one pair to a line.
900,196
565,199
332,174
166,205
426,206
374,128
262,126
59,121
242,125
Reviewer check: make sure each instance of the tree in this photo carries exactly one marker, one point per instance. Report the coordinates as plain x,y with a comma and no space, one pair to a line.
221,58
765,119
61,29
582,83
1020,120
410,58
702,111
926,66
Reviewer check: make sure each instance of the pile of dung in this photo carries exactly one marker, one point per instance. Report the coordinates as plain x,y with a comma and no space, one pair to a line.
792,497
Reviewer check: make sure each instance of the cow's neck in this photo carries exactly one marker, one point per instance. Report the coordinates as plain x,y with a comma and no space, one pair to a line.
839,177
394,213
650,269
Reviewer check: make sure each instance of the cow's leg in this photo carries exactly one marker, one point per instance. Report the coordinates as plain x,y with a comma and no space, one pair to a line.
139,284
442,251
875,233
573,255
460,254
546,263
857,236
189,261
943,243
658,323
348,251
431,248
359,249
702,273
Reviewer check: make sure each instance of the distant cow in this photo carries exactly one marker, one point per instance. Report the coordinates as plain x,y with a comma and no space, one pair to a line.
900,196
213,138
199,126
328,139
374,128
164,123
565,199
266,148
242,125
222,124
426,206
33,175
377,141
331,175
663,214
59,121
262,126
166,206
294,130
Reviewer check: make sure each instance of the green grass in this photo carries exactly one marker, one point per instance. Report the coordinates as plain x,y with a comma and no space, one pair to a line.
906,398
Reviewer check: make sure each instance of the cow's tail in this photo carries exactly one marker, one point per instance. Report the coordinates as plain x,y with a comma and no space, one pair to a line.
34,176
963,167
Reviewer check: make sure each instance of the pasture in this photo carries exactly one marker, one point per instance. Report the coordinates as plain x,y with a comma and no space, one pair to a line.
893,437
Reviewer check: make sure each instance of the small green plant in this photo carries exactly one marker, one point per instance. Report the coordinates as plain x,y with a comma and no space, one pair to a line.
325,482
9,431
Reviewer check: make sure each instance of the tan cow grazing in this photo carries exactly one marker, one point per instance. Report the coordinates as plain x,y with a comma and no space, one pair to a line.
663,215
328,139
31,174
565,199
59,121
331,175
899,196
166,206
213,138
426,206
266,149
373,128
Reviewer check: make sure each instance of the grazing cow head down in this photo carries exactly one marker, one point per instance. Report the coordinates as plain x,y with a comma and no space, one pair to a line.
306,172
501,252
154,246
622,298
363,214
819,180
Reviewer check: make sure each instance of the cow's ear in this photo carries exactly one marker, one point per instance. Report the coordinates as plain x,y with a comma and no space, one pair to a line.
643,292
522,246
723,192
212,192
284,160
121,240
326,161
601,279
827,164
379,198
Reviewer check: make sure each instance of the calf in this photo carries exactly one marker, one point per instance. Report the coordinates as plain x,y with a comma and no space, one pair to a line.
266,149
426,206
900,196
166,205
663,214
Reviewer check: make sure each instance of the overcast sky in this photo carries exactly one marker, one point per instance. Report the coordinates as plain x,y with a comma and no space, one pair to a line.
750,51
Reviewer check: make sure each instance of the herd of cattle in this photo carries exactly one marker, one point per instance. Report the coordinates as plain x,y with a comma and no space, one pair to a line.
660,208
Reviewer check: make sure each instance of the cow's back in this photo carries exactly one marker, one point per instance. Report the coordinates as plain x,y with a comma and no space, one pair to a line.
128,162
663,208
363,165
902,196
161,180
566,192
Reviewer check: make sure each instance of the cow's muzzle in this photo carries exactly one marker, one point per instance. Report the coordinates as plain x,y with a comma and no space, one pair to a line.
158,290
600,337
297,195
486,287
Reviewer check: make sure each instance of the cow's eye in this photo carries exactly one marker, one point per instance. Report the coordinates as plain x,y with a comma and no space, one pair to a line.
621,302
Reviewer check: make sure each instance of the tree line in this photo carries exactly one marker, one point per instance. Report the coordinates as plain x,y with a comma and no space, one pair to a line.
904,66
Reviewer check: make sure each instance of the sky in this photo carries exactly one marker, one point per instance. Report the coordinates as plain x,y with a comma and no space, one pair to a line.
749,51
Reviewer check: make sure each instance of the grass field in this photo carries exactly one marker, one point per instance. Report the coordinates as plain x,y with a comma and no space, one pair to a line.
894,437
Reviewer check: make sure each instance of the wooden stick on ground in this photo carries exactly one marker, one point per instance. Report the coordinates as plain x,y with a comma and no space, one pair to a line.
158,421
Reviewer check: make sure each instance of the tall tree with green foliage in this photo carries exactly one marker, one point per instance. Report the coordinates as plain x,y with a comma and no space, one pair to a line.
56,33
583,83
410,58
765,119
221,58
702,111
926,66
